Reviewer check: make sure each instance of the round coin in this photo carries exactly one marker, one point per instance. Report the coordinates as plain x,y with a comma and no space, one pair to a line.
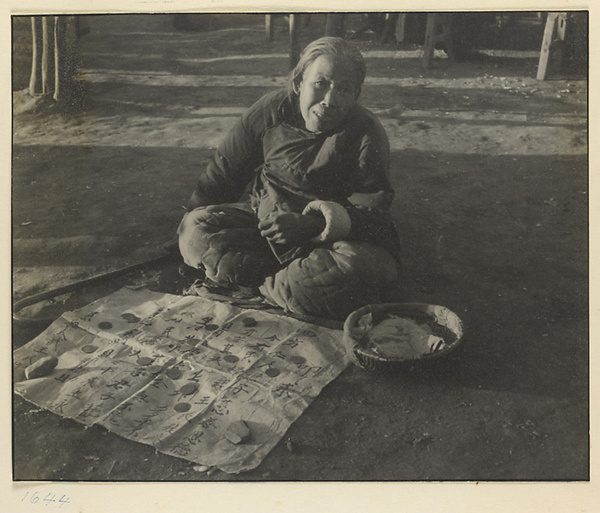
188,389
173,373
182,407
211,327
129,317
144,360
298,360
154,369
231,358
105,325
249,321
89,349
272,372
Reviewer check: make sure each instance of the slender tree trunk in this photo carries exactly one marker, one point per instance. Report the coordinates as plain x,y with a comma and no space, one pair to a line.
36,56
45,56
61,56
269,27
56,59
294,37
334,25
53,59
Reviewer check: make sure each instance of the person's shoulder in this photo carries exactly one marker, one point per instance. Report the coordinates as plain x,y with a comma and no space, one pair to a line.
367,121
266,111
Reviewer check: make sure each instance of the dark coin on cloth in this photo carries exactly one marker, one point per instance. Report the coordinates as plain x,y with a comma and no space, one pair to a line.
188,389
173,373
105,325
298,360
182,407
144,360
154,369
231,358
272,372
249,321
129,317
211,327
89,349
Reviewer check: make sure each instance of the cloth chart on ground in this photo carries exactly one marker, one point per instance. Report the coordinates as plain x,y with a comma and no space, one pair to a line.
174,372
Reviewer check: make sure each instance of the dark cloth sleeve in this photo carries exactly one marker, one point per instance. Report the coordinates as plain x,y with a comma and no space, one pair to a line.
233,165
369,205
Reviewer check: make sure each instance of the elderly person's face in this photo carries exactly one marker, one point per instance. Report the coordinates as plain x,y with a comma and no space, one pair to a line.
327,92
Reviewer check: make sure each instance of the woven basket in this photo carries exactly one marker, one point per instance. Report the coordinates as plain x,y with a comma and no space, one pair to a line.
440,320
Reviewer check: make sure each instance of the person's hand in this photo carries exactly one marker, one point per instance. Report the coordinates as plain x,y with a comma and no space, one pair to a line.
291,227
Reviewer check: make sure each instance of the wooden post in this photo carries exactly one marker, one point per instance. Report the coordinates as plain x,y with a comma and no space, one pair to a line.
334,25
554,21
435,20
294,49
391,20
400,27
429,40
269,27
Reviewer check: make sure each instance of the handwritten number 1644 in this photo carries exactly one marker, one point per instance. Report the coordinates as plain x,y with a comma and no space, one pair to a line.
47,500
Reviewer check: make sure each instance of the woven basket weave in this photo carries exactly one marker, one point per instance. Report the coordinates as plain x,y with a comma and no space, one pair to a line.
440,320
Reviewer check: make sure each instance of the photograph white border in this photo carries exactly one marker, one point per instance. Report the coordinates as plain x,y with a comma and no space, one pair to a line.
202,497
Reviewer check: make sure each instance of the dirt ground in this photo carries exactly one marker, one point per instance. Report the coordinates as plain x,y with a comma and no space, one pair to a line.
491,173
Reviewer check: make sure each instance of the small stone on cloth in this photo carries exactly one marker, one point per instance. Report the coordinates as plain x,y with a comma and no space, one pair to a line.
238,432
42,367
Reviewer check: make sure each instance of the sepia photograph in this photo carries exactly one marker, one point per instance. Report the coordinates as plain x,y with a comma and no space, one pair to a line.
346,247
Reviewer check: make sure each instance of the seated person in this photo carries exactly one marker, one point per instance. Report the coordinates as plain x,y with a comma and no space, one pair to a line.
296,200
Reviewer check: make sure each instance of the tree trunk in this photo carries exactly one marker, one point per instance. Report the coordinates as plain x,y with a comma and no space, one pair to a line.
334,26
294,43
45,56
36,56
53,59
57,67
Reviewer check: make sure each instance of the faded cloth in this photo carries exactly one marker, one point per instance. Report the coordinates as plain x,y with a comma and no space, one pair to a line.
269,164
174,372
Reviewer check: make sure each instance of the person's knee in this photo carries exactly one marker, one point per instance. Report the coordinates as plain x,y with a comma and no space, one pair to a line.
333,281
225,242
221,222
192,237
365,263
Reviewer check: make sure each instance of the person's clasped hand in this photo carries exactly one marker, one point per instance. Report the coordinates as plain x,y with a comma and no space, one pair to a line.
291,227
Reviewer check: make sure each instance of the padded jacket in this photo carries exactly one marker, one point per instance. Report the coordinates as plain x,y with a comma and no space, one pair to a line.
271,160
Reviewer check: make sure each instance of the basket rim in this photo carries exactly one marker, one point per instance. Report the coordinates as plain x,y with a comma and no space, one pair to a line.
356,345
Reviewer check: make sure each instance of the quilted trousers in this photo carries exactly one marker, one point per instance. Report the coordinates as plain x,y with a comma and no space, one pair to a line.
330,280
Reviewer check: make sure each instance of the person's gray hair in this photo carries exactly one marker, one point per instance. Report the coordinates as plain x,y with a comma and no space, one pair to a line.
335,46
